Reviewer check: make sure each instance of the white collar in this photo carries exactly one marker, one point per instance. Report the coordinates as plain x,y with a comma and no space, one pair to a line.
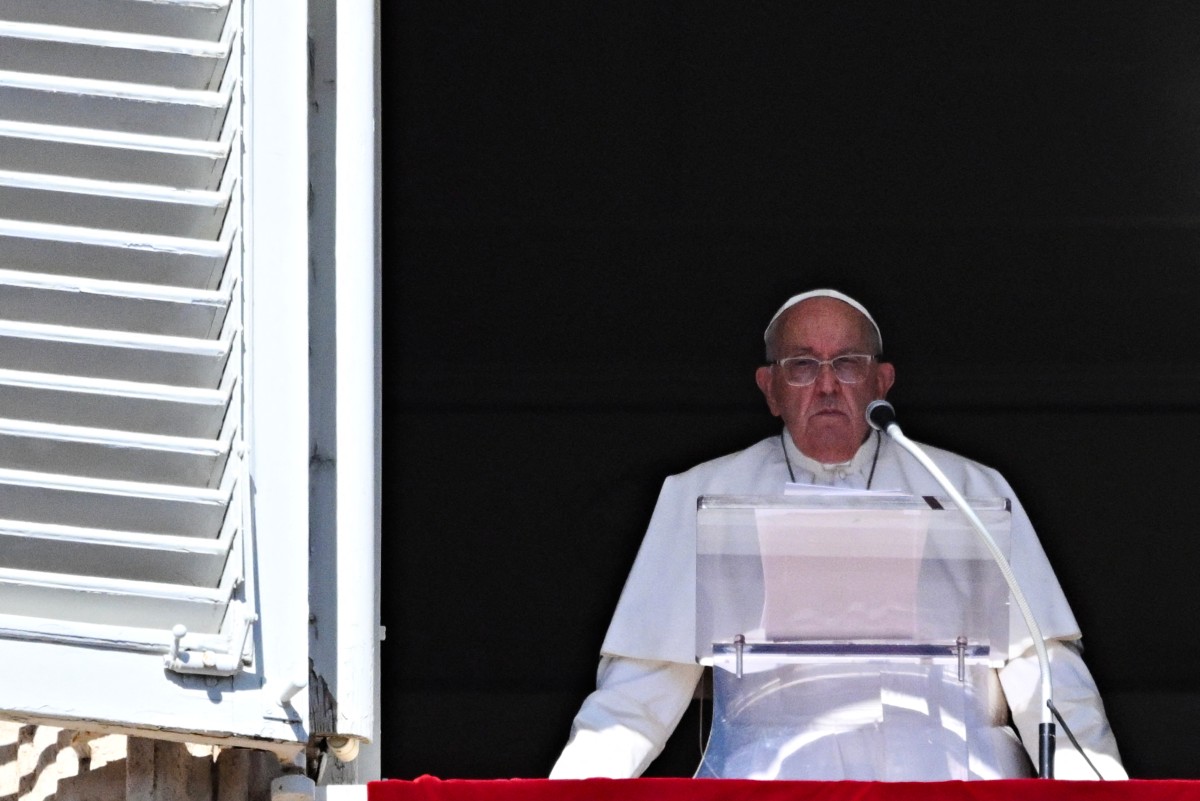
823,473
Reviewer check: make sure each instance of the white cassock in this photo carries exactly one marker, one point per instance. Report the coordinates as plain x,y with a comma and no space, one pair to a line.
648,673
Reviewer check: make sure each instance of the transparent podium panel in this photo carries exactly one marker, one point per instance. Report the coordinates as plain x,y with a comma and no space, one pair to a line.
838,574
858,721
852,637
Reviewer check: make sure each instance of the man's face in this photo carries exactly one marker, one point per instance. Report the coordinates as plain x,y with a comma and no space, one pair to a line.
826,418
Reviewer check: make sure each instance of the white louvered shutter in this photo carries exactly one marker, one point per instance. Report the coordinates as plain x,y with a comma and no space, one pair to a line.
127,528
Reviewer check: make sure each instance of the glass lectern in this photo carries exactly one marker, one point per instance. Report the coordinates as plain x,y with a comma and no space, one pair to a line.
850,635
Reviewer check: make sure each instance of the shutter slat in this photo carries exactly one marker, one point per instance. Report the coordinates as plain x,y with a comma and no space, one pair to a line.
113,55
82,506
117,554
115,255
189,19
109,601
89,303
147,358
69,102
121,405
85,203
104,453
184,163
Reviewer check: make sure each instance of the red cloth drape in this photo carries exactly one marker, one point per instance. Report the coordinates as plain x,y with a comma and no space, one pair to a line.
428,788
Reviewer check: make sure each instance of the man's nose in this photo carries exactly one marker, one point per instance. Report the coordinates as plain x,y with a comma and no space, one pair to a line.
826,379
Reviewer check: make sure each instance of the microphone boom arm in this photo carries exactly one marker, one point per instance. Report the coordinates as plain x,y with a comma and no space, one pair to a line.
1046,729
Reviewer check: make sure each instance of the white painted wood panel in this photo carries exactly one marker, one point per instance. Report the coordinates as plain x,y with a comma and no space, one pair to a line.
153,393
121,452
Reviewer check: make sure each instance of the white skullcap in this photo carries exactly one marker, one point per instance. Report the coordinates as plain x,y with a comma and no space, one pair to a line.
825,293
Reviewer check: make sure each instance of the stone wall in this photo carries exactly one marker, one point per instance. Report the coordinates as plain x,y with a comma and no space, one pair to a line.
43,763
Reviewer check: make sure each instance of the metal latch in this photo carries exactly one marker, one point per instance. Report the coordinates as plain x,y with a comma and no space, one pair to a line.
218,661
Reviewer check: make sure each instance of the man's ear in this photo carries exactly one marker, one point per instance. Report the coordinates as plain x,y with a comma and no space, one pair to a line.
763,377
885,376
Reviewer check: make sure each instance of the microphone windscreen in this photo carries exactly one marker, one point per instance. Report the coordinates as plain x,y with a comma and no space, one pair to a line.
880,414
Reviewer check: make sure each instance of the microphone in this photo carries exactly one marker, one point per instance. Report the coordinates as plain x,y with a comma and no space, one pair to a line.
882,417
880,414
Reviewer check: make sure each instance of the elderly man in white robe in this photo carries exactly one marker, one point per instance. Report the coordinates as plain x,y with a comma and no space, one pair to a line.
648,670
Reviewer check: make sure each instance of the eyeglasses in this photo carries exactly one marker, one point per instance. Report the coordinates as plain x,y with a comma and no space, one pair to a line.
850,368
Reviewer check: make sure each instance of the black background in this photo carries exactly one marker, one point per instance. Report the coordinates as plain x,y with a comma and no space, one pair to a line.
591,210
